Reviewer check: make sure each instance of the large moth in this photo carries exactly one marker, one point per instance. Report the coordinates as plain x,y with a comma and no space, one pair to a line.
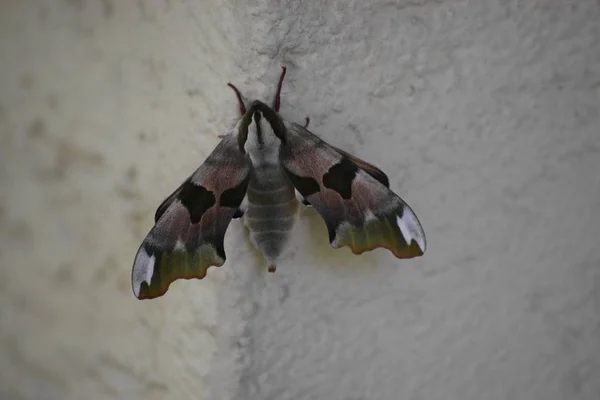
259,170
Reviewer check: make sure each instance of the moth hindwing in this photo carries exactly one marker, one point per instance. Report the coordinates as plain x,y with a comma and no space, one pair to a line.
254,172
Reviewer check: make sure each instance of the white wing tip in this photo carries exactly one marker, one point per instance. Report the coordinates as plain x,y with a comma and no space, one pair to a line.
411,228
143,269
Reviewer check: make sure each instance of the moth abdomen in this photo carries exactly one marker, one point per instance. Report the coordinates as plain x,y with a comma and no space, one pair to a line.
270,215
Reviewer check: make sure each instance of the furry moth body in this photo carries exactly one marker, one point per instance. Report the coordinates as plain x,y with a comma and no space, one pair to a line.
257,171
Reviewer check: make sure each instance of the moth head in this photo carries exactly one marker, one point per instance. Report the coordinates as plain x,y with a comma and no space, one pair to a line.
262,121
261,136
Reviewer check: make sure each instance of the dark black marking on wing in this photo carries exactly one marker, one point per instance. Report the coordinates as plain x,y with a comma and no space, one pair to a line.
217,242
305,202
305,185
234,196
379,176
340,177
331,229
196,199
367,167
238,214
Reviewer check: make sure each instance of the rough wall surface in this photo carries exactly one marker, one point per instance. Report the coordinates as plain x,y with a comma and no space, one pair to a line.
485,114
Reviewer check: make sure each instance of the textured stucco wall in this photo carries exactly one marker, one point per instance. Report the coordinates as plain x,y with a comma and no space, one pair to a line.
485,114
105,106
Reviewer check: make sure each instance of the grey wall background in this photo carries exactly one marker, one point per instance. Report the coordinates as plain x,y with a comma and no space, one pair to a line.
485,114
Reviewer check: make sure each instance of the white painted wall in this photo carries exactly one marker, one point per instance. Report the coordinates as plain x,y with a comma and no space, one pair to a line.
485,114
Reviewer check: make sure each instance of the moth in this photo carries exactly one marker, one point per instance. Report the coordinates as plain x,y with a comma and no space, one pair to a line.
260,170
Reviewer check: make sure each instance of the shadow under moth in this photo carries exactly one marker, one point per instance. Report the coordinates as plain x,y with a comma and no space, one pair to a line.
259,170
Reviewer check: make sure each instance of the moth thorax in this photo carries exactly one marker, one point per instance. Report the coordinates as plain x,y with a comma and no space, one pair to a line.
261,142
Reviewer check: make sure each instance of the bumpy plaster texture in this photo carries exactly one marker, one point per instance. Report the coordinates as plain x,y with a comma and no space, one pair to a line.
485,114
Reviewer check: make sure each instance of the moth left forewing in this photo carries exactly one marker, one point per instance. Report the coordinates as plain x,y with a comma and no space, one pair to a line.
360,211
191,223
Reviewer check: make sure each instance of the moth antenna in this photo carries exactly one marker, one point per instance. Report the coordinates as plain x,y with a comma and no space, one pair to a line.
272,268
239,97
277,99
307,121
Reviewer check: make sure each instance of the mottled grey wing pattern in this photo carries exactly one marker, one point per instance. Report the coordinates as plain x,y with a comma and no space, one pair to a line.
351,195
191,223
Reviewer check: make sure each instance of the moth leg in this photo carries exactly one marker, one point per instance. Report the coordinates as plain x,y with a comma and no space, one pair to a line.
307,121
272,268
277,99
239,97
